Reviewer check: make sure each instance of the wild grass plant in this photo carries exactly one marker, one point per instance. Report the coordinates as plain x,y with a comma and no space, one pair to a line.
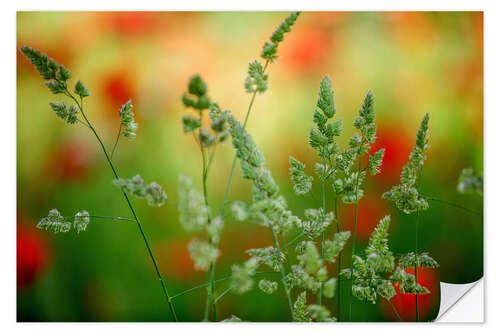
298,263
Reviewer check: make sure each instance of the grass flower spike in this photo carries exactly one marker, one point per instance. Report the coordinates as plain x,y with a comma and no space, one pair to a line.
56,77
406,195
127,120
469,182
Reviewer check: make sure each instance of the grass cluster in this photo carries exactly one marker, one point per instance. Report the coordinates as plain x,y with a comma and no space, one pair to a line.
300,252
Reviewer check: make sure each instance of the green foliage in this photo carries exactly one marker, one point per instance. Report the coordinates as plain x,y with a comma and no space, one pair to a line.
239,210
268,207
267,286
329,288
232,319
256,81
270,49
190,123
367,274
323,137
202,253
69,115
335,246
370,274
81,221
310,259
56,76
300,309
469,182
319,313
127,120
152,192
198,90
47,67
63,74
351,187
302,183
378,255
423,259
192,209
270,256
241,276
214,228
81,90
365,281
376,161
197,86
407,283
310,272
56,87
406,195
326,100
219,121
72,114
206,138
315,222
313,312
56,223
365,122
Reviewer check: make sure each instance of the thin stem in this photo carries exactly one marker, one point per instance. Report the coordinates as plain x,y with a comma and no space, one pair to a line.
293,240
112,218
320,294
353,250
340,260
223,293
84,124
283,274
332,171
207,303
212,154
204,174
215,281
146,242
416,248
117,138
394,309
198,287
452,204
228,186
416,275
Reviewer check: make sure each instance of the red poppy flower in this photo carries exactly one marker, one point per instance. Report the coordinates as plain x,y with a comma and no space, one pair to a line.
370,211
427,304
70,162
118,88
33,255
305,48
130,23
398,146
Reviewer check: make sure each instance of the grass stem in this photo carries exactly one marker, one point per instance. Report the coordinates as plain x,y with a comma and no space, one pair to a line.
226,194
136,218
353,250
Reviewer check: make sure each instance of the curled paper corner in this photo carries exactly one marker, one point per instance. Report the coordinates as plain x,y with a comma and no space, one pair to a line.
462,302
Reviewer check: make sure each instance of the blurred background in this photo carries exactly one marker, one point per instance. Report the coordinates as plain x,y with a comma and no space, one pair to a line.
414,62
